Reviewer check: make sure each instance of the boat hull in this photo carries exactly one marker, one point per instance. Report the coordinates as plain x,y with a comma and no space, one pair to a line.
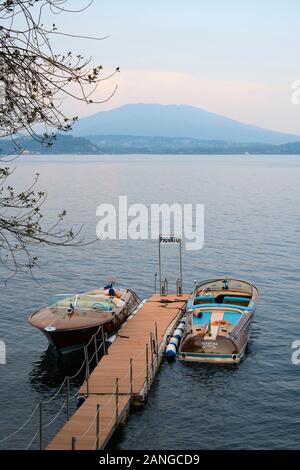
72,340
67,332
213,358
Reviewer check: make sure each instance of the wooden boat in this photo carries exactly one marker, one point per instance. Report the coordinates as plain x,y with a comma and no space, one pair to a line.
218,321
70,321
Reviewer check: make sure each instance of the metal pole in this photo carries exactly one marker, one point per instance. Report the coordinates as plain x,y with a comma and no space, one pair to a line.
147,367
117,402
87,370
151,350
68,398
96,350
73,443
131,378
159,262
180,266
155,282
41,424
156,340
98,427
103,340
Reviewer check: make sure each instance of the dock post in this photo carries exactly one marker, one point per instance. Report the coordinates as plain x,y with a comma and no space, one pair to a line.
98,427
87,370
159,265
131,378
103,341
180,266
147,367
156,340
41,424
178,288
152,357
117,402
68,398
96,351
73,443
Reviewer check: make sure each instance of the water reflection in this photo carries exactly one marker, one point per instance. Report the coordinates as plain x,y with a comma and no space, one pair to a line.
50,370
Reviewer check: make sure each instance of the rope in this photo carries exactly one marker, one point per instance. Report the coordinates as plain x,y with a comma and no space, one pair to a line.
85,433
77,394
56,394
98,349
113,396
31,442
103,430
21,427
56,416
108,425
78,372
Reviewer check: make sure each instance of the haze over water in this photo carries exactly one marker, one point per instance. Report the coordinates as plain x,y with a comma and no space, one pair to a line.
251,232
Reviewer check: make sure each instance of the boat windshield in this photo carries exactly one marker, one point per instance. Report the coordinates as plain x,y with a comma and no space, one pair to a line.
82,302
224,284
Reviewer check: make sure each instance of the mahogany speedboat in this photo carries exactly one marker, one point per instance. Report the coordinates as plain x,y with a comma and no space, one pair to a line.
70,321
218,321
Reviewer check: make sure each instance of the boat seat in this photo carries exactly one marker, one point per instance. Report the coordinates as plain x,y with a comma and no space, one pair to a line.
241,307
204,299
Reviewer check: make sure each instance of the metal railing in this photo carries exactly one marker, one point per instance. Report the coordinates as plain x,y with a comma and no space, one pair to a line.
40,407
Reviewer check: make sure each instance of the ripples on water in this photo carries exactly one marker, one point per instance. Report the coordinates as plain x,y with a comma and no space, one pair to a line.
251,231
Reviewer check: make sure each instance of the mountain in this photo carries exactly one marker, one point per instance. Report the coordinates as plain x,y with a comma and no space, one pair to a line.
63,144
156,120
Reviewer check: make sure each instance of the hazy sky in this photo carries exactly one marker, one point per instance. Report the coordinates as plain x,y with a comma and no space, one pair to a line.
233,57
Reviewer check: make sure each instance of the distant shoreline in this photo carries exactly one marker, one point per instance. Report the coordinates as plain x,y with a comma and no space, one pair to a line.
66,144
151,155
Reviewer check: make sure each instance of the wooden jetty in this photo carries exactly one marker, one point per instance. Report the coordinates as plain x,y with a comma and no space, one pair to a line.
122,377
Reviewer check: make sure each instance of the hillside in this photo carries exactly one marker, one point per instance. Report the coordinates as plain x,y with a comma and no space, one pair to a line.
126,145
114,145
64,144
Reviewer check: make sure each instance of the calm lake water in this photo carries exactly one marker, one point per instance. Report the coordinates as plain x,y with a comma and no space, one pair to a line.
251,231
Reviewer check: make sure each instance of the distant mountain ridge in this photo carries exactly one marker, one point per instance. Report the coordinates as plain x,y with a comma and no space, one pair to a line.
177,121
123,144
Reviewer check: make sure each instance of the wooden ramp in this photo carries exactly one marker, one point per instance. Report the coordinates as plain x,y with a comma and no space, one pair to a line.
124,375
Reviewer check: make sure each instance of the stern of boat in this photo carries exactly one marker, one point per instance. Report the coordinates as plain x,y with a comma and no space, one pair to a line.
199,349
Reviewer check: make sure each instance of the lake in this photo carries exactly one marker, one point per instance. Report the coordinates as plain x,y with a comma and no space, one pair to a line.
252,232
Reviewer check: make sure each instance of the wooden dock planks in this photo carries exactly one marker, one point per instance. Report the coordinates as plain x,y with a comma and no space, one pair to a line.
154,317
83,423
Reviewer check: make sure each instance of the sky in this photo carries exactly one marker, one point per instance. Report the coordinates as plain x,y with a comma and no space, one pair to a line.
232,57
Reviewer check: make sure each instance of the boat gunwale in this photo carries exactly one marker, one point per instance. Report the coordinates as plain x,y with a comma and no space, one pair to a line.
200,283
